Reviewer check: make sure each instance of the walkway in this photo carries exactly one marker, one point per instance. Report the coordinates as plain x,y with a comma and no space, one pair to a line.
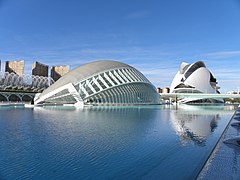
224,162
198,95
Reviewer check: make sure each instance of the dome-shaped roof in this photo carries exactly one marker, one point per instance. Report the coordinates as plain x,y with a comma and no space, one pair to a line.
84,71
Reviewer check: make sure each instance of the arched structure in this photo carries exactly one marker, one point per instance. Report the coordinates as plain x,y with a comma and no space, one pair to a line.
25,83
8,96
14,87
101,83
195,78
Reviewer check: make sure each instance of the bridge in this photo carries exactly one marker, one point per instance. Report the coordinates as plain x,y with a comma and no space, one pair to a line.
177,96
16,96
14,87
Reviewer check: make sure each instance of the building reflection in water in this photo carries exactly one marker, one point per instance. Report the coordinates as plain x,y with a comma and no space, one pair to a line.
195,123
192,123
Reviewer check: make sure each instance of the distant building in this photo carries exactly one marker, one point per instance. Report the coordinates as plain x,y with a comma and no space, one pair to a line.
233,92
58,71
16,67
39,69
165,90
159,90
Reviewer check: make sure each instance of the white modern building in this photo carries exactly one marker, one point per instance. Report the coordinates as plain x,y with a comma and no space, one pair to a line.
101,83
195,78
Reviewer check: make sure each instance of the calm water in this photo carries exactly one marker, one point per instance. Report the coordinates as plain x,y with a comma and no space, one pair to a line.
148,142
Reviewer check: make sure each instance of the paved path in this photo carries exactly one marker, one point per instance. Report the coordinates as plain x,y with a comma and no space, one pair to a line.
224,162
198,95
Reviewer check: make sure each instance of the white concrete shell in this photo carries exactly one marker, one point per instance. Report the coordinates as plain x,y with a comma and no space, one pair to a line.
194,78
101,82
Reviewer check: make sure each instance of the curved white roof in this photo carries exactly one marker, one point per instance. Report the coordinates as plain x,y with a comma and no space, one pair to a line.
85,71
194,78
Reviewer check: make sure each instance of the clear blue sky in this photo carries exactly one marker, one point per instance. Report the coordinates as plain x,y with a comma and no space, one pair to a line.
154,36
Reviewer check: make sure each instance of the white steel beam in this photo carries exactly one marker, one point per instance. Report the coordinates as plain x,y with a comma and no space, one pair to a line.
120,72
116,74
96,82
106,76
114,78
102,80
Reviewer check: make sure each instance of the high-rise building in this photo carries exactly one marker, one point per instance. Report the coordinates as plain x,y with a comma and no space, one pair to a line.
39,69
16,67
58,71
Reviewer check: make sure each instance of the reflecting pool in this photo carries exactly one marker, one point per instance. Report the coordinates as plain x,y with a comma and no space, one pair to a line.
147,142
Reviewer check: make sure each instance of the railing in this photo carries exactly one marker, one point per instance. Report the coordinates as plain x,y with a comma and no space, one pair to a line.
198,95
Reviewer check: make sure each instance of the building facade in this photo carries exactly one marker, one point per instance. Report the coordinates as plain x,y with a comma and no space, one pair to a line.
159,90
165,90
39,69
16,67
101,83
58,71
195,78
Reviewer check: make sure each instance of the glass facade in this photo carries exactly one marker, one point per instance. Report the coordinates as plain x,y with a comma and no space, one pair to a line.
113,86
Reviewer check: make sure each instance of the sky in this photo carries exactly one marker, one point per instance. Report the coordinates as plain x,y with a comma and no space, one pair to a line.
154,36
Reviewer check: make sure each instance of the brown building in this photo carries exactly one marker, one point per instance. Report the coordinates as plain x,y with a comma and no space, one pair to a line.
16,67
159,90
39,69
58,71
165,90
